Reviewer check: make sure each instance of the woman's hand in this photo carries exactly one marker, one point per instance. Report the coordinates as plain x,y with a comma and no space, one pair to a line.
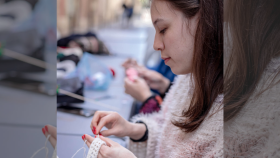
50,130
155,80
112,150
138,89
116,125
130,63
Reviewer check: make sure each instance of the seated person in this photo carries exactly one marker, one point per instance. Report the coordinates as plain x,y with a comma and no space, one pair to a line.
158,82
87,42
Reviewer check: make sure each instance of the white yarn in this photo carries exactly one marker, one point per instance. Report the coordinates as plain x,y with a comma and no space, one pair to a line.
95,147
45,147
81,149
92,153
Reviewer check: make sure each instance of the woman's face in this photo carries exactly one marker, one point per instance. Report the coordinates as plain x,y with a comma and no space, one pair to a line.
174,37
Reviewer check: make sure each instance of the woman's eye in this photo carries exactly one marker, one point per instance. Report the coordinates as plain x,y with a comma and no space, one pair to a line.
162,31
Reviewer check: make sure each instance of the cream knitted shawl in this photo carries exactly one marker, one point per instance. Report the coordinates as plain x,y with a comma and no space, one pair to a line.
255,131
168,141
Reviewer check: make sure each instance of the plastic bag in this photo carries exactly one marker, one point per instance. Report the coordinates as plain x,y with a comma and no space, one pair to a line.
94,74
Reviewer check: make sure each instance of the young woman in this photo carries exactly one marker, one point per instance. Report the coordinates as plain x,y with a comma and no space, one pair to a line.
189,35
252,78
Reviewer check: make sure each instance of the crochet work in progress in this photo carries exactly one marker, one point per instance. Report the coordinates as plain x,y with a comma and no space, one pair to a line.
95,147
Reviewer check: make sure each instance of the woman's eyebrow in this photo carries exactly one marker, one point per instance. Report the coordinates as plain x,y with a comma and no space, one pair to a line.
156,21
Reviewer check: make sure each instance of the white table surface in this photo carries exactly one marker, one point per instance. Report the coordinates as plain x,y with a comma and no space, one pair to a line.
23,114
26,108
22,142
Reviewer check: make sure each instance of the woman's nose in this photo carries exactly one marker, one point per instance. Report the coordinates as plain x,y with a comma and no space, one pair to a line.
158,44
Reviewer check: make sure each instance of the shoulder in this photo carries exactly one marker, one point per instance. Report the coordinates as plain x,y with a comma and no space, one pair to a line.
262,107
267,91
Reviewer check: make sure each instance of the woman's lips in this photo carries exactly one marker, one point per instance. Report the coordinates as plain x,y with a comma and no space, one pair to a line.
166,59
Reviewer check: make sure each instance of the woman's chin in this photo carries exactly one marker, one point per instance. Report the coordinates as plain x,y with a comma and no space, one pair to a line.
177,71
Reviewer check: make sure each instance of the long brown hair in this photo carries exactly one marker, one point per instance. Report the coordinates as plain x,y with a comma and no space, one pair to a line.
251,40
207,63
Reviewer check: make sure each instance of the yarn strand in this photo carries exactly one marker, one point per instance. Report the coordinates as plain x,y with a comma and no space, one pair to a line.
45,147
80,149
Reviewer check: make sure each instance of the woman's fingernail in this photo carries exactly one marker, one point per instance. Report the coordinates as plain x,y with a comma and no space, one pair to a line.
83,137
43,130
93,130
46,127
94,136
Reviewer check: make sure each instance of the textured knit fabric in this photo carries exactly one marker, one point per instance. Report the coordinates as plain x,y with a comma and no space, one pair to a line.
255,131
167,141
95,147
151,105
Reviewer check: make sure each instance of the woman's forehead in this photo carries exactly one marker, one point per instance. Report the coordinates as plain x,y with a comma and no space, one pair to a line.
161,11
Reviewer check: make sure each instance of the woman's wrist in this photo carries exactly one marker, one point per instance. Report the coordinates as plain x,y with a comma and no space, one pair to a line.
137,130
130,155
165,85
145,96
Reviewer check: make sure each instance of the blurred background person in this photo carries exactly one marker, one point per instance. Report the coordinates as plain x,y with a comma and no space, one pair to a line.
158,78
128,12
86,42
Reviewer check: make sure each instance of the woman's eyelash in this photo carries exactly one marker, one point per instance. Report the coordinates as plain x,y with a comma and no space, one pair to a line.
162,31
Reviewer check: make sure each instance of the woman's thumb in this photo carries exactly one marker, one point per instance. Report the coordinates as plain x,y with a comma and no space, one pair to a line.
108,132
